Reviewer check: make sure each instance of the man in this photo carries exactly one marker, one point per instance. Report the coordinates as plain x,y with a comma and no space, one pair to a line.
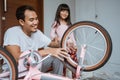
27,37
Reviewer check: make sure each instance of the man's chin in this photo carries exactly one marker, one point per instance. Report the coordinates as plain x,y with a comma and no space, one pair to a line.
34,31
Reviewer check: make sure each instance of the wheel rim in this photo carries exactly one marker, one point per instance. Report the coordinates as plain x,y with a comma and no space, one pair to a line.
6,66
96,40
9,69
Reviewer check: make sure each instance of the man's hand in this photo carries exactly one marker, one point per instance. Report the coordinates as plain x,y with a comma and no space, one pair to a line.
71,47
59,53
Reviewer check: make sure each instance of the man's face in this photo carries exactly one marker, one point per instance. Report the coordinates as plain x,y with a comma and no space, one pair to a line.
30,22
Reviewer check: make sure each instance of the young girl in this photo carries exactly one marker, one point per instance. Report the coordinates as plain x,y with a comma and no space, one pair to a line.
61,23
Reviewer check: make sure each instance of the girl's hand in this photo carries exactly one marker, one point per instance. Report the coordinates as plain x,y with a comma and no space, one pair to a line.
55,43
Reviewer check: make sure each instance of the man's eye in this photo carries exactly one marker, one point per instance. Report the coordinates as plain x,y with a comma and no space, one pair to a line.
36,18
31,20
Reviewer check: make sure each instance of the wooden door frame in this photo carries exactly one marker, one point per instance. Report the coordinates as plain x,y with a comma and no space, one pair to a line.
1,13
41,16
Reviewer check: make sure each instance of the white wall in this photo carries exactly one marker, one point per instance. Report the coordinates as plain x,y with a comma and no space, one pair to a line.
85,10
108,12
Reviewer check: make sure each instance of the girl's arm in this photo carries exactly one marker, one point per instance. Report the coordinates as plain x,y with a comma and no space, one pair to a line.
53,31
54,38
55,43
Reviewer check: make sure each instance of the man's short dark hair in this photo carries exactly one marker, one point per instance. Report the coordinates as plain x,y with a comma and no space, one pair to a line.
21,10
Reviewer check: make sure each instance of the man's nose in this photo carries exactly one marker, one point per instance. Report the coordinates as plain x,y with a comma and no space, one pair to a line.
36,21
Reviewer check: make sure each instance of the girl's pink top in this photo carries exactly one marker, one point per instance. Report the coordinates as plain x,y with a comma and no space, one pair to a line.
59,31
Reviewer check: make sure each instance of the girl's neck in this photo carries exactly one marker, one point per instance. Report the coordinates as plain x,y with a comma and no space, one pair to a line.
62,21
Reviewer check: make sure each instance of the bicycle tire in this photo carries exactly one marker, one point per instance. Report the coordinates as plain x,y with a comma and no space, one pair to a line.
11,62
99,29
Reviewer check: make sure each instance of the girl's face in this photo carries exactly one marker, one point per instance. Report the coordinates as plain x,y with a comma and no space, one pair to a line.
64,14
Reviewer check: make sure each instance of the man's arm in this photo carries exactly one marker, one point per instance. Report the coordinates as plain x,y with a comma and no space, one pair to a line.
14,50
59,53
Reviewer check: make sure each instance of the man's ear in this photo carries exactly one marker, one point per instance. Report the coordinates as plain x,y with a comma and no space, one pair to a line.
21,22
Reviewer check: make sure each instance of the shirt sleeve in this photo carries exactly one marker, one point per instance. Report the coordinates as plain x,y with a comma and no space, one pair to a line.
10,38
44,41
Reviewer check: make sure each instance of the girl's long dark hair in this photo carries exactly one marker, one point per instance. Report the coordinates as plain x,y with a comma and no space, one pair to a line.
60,8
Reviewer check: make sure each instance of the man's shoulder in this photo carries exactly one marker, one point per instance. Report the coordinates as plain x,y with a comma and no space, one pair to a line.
14,28
39,31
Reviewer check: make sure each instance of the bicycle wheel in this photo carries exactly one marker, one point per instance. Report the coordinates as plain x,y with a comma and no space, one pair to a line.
8,64
97,41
